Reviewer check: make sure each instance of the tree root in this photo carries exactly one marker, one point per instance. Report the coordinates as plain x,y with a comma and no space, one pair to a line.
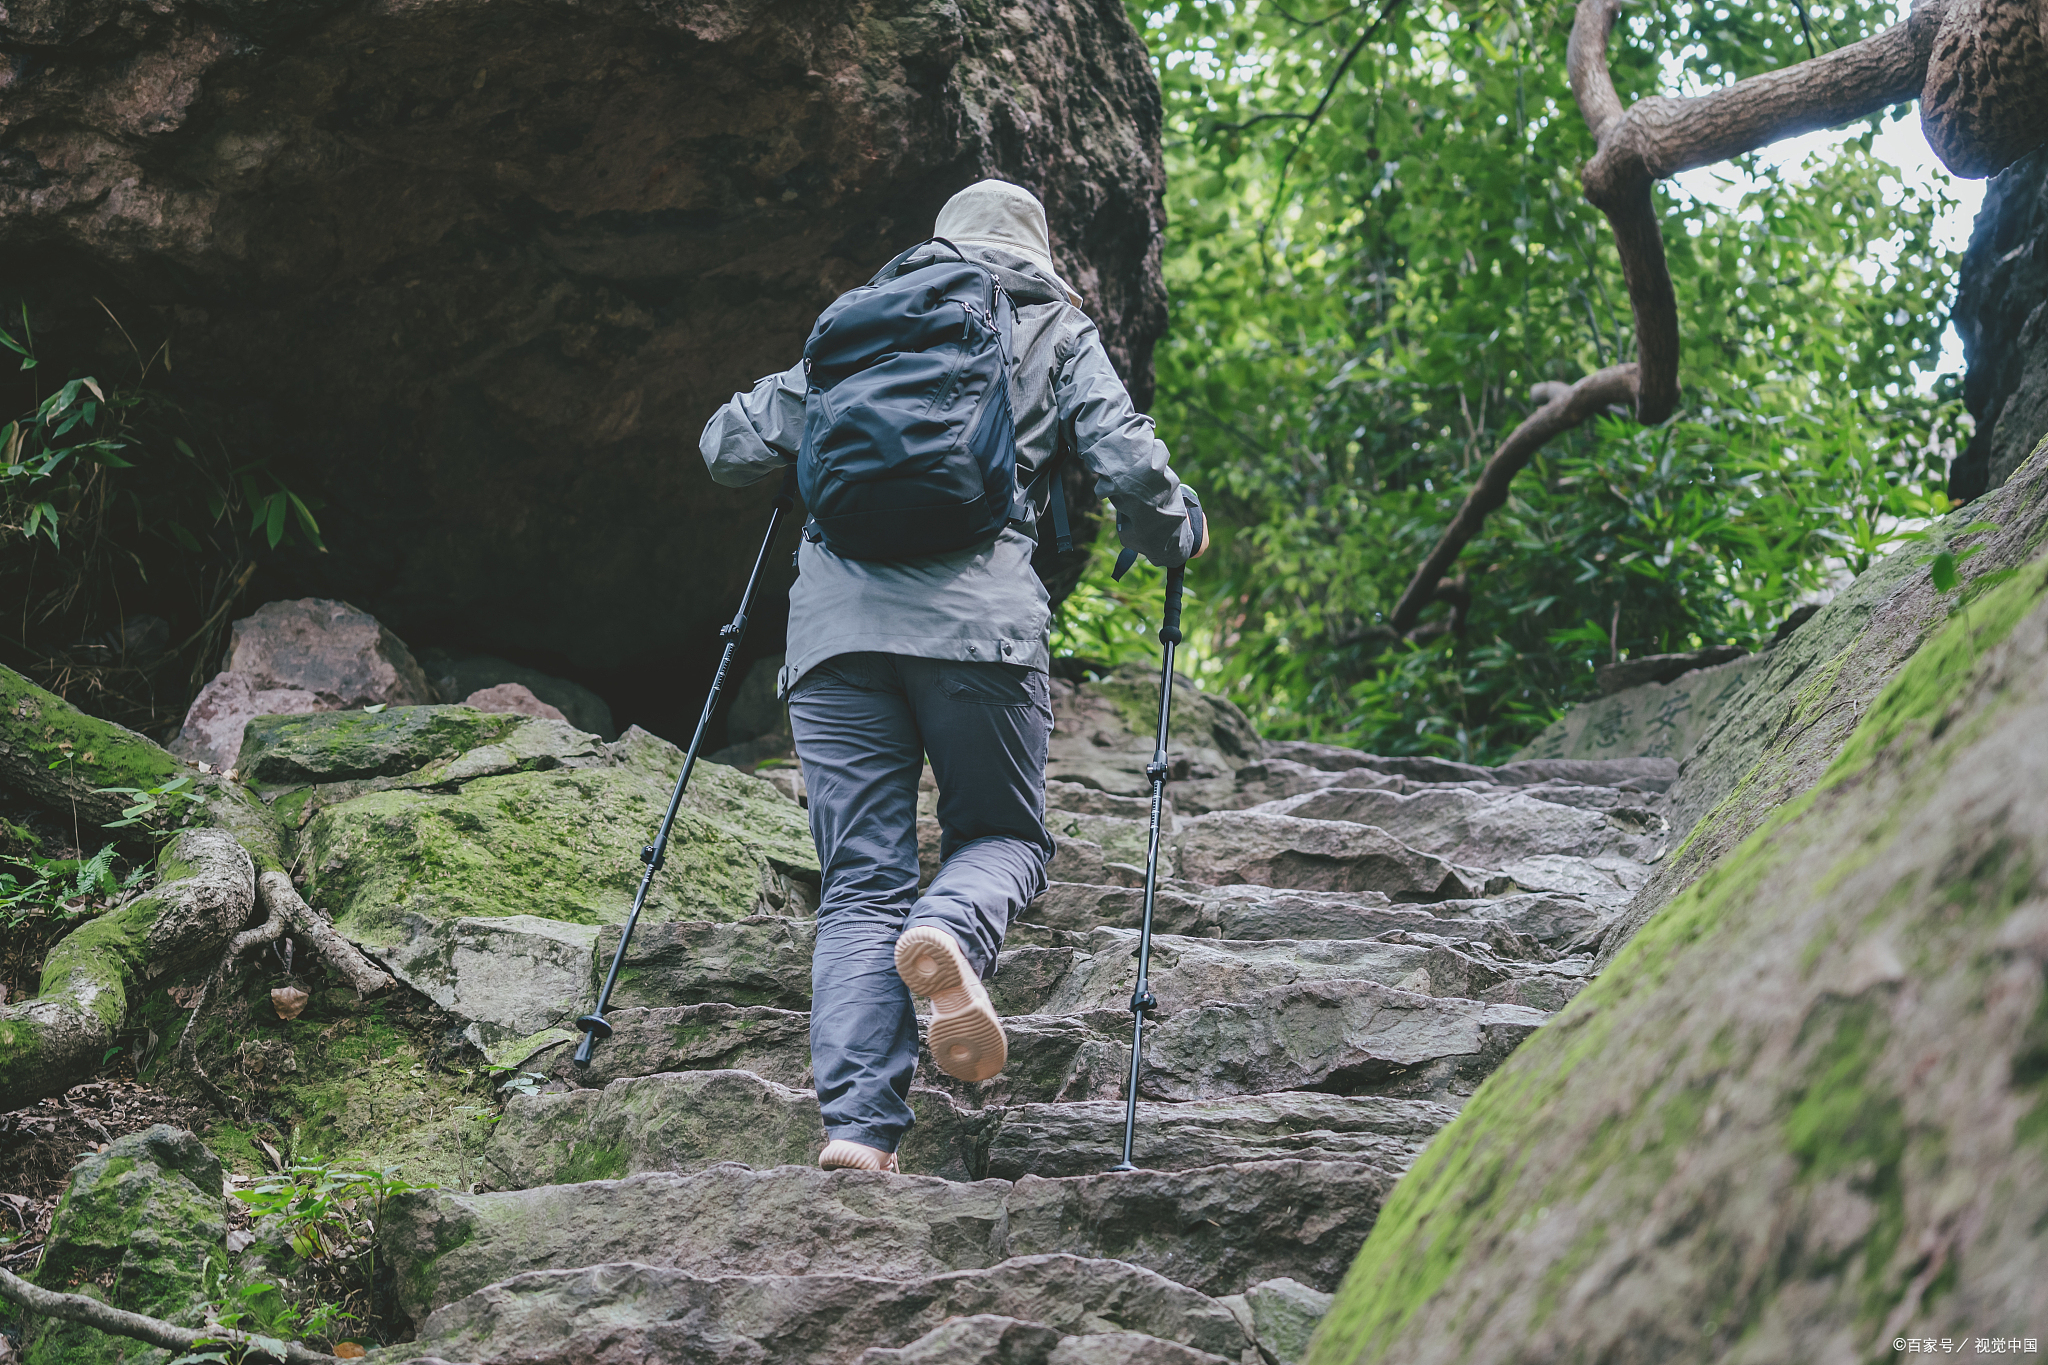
120,1322
285,910
57,1039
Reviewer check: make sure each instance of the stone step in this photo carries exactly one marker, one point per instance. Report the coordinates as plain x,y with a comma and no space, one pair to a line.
1052,1058
1186,971
1227,847
992,1339
1638,774
1217,1229
721,969
643,1312
1495,828
1234,1019
683,1122
1255,912
1344,1037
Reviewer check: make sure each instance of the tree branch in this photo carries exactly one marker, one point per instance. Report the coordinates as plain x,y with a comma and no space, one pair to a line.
1573,406
1661,136
122,1323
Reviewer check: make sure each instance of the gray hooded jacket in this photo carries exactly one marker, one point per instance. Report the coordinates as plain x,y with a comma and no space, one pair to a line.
982,604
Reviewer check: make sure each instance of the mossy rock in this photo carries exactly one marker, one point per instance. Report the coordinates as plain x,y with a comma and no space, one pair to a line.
63,760
487,893
1805,1110
135,1228
333,746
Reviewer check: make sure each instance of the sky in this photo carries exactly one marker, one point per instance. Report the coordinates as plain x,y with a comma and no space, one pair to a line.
1900,143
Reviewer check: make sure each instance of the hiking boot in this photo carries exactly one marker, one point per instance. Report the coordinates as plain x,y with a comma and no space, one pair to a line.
841,1154
966,1038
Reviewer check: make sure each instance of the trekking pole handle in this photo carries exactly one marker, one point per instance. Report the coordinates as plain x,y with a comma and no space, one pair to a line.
1169,630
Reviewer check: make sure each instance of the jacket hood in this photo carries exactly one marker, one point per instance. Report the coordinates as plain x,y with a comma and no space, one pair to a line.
1025,280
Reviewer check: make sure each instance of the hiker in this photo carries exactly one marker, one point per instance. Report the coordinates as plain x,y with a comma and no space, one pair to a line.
942,656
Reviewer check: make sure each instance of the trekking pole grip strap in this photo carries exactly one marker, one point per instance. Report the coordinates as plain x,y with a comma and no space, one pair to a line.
1169,631
785,496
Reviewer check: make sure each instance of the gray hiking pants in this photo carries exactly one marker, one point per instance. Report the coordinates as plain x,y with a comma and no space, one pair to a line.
864,725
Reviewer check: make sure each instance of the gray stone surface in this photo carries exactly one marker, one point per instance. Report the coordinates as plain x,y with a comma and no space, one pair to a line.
1255,912
773,1044
1489,828
1285,1314
1656,719
1315,855
1083,1138
982,1339
673,1121
634,1311
760,960
1105,730
1344,1037
1213,1229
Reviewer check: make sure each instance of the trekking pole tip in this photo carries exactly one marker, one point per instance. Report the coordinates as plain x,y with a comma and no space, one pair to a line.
594,1026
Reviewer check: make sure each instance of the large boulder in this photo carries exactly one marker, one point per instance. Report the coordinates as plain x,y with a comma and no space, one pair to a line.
1800,1114
472,276
479,853
291,658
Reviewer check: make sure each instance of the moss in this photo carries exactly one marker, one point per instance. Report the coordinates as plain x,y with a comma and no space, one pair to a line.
592,1161
356,1083
136,1225
49,730
562,844
333,746
1467,1184
1842,1125
1910,710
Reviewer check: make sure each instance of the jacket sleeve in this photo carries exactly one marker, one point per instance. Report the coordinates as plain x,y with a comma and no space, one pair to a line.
1115,442
756,433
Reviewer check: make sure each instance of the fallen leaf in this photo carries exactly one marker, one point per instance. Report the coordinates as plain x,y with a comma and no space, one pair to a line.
289,1001
182,996
349,1350
276,1159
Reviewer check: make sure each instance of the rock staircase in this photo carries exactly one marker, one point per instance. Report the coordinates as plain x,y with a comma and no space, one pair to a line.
1345,947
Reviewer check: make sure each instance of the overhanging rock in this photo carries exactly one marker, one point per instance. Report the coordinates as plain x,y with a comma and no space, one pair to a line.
476,273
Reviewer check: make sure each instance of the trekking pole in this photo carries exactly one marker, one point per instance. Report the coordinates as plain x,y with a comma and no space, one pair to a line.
1142,1001
593,1024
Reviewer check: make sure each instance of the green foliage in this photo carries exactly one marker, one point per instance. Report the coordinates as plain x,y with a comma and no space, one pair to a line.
1363,299
44,899
169,803
119,504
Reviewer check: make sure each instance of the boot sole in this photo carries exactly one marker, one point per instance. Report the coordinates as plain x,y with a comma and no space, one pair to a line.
966,1037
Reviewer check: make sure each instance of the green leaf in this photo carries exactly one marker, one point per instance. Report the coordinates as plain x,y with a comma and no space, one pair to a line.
1943,571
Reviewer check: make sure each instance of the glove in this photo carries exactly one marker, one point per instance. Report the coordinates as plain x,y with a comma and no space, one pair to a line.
1192,502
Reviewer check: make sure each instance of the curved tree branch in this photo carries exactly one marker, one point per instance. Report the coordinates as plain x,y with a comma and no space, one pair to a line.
1568,406
1661,136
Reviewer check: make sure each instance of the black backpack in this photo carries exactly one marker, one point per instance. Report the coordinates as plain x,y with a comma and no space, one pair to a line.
909,448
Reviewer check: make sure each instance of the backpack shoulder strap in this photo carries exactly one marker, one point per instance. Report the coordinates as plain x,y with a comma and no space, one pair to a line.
895,262
1062,533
